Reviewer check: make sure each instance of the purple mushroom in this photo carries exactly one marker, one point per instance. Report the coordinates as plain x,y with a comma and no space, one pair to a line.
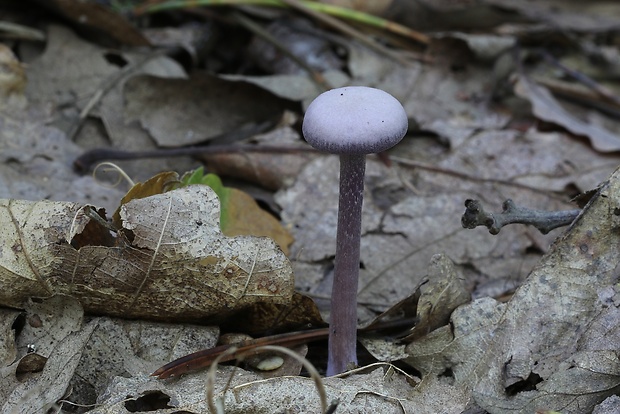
352,121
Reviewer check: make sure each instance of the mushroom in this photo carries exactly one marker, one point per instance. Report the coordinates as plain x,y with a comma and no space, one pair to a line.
352,121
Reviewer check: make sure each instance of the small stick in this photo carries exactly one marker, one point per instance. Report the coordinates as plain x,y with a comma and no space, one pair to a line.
87,159
430,167
544,221
205,357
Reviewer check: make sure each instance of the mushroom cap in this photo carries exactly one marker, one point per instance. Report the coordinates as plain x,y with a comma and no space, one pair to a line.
354,120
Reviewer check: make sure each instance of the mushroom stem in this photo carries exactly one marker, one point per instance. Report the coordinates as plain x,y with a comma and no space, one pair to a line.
343,324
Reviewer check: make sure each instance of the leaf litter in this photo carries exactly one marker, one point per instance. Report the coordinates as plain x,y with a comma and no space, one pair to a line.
551,346
168,243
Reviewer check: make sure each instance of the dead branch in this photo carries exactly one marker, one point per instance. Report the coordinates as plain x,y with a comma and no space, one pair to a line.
544,221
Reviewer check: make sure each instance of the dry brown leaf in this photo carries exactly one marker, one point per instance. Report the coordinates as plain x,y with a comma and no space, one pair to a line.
554,344
300,313
179,112
170,261
432,303
240,213
124,348
245,217
60,338
153,186
292,87
35,162
270,171
375,390
73,73
443,293
401,233
547,108
47,323
100,19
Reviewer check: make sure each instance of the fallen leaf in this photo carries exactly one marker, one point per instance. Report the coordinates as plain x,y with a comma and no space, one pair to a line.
547,108
157,184
270,171
374,390
298,37
179,112
36,159
169,261
300,314
399,232
99,18
240,214
292,87
47,323
553,345
73,73
443,293
243,216
125,348
64,348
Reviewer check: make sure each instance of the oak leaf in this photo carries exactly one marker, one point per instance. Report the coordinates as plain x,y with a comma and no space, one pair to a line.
168,261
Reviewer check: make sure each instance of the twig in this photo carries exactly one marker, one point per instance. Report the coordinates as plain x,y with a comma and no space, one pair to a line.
86,160
430,167
223,353
544,221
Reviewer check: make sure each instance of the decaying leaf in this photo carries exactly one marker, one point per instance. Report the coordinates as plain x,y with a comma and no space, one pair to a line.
47,323
553,346
547,108
60,338
72,74
300,313
270,171
104,348
374,390
443,293
178,112
157,184
240,214
124,348
432,303
169,261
